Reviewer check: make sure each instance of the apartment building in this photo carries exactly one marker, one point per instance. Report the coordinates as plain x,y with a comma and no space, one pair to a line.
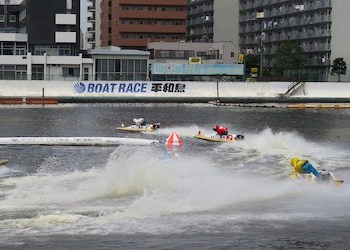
41,26
93,37
39,39
132,24
318,26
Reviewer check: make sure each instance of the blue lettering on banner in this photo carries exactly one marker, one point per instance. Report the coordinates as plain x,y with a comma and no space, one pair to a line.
132,88
168,87
81,87
101,88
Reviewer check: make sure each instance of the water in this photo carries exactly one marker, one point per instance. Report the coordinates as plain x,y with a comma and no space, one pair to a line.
208,196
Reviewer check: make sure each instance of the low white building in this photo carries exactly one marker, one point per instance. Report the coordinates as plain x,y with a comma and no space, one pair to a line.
106,63
184,52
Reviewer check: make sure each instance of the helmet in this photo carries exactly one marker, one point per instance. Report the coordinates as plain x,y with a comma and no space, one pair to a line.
294,160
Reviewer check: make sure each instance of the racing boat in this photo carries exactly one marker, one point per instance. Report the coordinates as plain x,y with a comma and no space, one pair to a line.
139,125
219,138
325,178
221,135
3,162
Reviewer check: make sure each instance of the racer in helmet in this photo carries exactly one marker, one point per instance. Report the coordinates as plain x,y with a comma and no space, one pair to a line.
220,130
304,167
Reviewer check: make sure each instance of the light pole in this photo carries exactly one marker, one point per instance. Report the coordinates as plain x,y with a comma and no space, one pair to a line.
260,15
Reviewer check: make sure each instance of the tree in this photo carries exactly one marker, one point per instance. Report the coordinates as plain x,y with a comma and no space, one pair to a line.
289,56
338,67
251,61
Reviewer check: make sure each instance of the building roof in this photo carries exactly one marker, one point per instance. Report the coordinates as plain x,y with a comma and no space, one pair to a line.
114,50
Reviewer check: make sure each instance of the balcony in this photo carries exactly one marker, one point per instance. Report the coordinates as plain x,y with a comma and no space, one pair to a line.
65,37
152,28
91,29
156,2
91,39
139,14
125,42
91,19
91,8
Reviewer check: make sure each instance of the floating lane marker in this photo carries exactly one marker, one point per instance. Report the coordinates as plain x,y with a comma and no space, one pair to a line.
75,141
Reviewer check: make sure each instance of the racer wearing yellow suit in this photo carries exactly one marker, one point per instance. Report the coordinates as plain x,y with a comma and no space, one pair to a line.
303,167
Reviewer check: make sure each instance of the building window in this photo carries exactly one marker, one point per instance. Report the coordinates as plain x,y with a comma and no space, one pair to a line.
70,72
52,50
86,74
20,49
179,54
38,72
13,18
125,69
13,72
202,54
7,48
2,18
164,54
65,50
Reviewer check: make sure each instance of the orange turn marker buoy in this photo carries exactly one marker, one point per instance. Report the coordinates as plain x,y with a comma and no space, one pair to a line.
173,140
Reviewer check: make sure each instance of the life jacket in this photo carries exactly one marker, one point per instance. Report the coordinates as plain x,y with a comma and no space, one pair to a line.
221,130
298,164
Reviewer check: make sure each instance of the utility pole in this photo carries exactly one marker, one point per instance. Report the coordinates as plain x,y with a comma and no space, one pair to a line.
260,15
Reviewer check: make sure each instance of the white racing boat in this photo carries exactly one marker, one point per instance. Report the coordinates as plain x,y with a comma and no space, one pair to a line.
326,177
140,125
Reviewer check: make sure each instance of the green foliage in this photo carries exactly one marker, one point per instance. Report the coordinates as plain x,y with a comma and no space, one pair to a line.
251,61
289,56
338,67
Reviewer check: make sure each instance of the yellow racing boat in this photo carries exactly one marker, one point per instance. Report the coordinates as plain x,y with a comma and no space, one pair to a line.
219,138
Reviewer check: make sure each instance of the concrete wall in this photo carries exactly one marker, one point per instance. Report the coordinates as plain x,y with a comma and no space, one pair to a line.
176,91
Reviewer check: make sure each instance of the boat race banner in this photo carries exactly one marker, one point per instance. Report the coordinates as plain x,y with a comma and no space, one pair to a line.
128,87
178,90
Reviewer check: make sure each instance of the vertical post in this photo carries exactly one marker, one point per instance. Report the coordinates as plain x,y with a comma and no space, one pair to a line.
217,91
260,15
261,49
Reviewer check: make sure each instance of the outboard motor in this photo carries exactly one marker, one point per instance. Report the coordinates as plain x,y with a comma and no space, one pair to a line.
240,137
325,176
156,125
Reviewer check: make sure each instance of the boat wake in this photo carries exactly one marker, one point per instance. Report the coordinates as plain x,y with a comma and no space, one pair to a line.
189,131
140,185
270,149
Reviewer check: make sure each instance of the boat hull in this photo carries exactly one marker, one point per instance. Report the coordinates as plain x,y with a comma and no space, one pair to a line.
136,129
217,138
3,162
310,178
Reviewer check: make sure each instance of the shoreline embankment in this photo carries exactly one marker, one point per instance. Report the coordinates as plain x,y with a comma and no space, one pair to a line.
219,93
